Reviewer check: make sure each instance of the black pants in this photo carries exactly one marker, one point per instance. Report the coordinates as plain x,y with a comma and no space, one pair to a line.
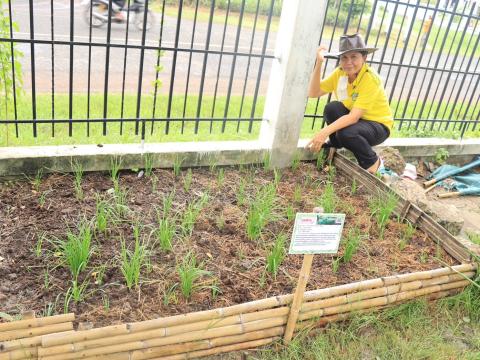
359,137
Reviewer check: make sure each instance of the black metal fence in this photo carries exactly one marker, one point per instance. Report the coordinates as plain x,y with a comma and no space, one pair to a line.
89,72
428,58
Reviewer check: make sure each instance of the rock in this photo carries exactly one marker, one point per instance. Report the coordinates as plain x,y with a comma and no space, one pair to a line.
411,191
446,215
392,159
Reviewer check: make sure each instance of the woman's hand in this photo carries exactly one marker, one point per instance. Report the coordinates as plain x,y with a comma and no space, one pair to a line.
317,141
321,49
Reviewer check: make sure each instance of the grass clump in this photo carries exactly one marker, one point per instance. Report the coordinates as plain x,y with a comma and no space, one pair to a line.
132,261
165,231
190,273
191,214
260,211
276,254
381,207
75,251
407,235
77,169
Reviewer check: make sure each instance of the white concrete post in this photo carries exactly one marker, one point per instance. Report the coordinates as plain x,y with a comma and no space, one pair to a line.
297,41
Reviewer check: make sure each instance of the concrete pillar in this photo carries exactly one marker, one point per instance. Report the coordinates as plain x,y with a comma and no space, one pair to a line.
297,40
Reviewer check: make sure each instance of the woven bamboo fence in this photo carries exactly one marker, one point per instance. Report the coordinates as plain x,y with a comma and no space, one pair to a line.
21,339
244,326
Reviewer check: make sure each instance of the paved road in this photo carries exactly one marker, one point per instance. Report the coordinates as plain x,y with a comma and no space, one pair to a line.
425,83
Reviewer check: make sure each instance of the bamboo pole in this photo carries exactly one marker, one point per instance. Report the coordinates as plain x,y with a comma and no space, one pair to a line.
29,353
186,337
298,297
381,301
222,349
450,194
75,346
26,342
78,336
29,332
36,322
205,344
383,291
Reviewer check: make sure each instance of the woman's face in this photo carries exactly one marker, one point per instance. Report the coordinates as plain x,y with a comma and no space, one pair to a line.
352,62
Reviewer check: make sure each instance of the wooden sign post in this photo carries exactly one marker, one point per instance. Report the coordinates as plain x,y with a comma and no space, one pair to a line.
313,233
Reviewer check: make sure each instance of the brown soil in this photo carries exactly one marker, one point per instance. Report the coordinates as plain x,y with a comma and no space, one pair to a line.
237,264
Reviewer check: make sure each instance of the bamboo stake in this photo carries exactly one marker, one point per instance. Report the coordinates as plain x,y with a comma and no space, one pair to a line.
23,333
25,342
221,349
36,322
30,353
108,331
450,194
75,346
186,337
298,297
205,344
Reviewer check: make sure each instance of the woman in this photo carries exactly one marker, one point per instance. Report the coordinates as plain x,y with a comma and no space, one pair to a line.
361,116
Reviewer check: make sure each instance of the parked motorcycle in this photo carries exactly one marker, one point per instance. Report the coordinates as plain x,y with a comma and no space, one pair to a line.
134,13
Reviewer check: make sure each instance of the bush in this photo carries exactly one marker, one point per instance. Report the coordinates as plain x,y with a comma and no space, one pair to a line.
357,8
235,5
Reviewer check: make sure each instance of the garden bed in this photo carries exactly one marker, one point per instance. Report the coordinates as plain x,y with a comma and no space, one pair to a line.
211,209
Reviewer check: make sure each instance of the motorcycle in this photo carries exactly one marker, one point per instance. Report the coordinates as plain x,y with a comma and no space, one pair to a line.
96,13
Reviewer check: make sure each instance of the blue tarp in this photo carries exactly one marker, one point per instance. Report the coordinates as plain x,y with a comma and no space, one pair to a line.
466,182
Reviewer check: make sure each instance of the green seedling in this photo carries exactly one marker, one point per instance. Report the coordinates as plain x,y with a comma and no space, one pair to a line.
115,165
190,273
260,211
221,177
165,232
297,193
132,262
267,157
78,292
276,254
169,296
148,164
191,214
77,169
322,155
120,198
352,242
354,187
407,235
277,176
168,203
106,302
187,180
328,200
75,251
336,264
103,213
241,197
296,161
220,221
42,199
46,279
48,310
37,180
441,156
290,212
382,207
39,244
177,166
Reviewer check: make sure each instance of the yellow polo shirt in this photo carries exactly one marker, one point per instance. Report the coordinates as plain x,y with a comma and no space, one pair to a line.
366,93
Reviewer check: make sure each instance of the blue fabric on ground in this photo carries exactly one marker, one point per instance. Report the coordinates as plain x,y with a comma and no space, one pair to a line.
467,182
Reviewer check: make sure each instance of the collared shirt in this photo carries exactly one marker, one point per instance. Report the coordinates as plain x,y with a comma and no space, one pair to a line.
366,92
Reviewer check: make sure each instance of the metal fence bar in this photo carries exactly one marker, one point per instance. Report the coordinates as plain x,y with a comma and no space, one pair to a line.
174,63
10,21
32,65
52,34
204,67
192,40
140,72
157,69
234,62
107,67
89,73
125,52
70,78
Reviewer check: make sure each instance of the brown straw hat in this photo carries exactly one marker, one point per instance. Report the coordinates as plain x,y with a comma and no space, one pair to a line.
350,43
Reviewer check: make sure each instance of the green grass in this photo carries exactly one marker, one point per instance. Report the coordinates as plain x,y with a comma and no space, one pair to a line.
447,329
114,135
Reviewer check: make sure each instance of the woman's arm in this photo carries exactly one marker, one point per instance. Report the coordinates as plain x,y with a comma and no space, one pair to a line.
314,86
346,120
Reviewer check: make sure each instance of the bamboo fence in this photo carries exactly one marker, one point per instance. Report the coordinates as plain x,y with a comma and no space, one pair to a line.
244,326
21,339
